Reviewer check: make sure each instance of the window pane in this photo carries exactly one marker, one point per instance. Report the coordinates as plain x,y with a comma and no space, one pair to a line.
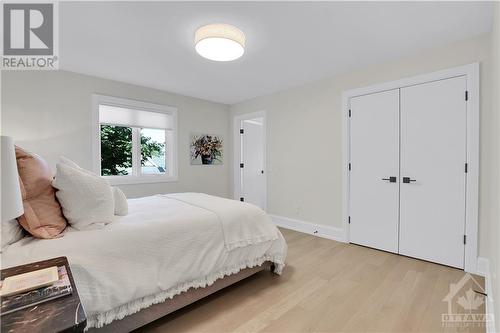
153,159
116,150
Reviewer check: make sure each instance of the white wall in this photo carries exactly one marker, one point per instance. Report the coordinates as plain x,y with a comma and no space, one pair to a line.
305,134
49,113
494,225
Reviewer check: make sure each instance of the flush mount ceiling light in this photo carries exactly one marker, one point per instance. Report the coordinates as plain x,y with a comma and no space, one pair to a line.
220,42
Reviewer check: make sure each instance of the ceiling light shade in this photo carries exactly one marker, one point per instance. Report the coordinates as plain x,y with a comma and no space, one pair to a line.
220,42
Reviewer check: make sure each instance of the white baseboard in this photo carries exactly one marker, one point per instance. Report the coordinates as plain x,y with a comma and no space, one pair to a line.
483,268
338,234
319,230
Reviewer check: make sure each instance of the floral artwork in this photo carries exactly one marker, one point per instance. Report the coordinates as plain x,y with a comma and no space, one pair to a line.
206,149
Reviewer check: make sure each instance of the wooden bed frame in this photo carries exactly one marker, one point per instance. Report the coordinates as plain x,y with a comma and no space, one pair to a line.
156,311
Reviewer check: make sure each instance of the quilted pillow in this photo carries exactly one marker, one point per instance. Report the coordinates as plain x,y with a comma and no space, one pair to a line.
121,203
42,217
86,199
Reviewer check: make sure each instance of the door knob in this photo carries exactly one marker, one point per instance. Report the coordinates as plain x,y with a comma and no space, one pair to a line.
407,180
391,179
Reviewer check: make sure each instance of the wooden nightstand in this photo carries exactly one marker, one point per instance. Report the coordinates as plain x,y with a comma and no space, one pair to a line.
64,314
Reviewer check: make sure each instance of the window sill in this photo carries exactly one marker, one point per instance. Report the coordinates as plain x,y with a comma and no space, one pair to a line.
127,180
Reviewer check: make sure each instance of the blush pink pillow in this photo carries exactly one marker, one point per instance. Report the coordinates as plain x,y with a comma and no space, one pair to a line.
43,216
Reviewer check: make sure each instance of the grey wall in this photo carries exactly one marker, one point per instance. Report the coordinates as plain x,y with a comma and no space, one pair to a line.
305,135
49,113
494,224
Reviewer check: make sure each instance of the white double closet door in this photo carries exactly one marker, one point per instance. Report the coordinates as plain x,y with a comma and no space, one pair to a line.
408,171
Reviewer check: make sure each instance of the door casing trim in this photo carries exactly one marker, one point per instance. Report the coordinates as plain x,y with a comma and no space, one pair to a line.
237,151
471,72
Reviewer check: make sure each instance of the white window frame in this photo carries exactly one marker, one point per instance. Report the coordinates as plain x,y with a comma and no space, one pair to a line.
171,145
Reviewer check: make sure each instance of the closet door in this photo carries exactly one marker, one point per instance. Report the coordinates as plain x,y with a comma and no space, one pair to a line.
433,155
374,177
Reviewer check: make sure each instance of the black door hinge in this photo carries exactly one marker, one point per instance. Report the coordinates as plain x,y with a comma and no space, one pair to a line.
349,166
466,167
242,131
349,220
349,113
242,165
465,239
242,199
466,95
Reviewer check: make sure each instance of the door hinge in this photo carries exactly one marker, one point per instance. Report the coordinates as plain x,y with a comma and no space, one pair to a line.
465,239
242,199
349,220
349,113
466,95
242,165
466,167
242,131
349,166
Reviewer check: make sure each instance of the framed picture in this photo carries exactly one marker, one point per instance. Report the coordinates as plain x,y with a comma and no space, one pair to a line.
206,149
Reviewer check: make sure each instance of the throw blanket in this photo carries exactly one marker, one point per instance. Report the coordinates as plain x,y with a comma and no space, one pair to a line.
242,224
164,246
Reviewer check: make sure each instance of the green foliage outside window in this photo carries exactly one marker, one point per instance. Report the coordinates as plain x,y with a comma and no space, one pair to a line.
116,150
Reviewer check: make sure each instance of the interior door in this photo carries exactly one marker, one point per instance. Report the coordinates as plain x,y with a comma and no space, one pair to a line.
253,184
374,175
433,156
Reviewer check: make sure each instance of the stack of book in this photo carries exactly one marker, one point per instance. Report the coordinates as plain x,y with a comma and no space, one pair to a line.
28,289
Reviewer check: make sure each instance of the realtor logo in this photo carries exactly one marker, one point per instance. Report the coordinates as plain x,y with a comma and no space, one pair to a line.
29,35
465,300
28,29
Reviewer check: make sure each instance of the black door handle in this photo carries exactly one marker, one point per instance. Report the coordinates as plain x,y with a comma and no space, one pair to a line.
407,180
391,179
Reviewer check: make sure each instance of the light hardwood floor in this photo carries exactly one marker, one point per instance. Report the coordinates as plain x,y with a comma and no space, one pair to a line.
329,286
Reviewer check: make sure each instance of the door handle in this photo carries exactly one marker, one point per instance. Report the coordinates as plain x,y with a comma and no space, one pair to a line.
391,179
407,180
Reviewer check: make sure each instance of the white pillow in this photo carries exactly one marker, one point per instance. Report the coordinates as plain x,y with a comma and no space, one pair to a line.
121,204
68,162
11,232
86,199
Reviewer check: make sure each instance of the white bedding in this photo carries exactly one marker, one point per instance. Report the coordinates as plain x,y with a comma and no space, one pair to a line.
164,246
242,223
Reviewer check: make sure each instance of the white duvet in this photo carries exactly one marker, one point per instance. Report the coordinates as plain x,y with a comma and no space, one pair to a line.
164,246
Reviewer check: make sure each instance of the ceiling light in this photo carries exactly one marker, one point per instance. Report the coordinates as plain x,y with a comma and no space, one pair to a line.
220,42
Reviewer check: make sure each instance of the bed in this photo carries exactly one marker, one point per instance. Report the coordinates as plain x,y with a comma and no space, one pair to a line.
169,251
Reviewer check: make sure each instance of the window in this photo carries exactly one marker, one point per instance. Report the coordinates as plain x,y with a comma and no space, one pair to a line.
135,142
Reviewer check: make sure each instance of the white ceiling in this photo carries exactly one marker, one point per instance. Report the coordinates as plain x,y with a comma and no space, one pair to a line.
287,43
